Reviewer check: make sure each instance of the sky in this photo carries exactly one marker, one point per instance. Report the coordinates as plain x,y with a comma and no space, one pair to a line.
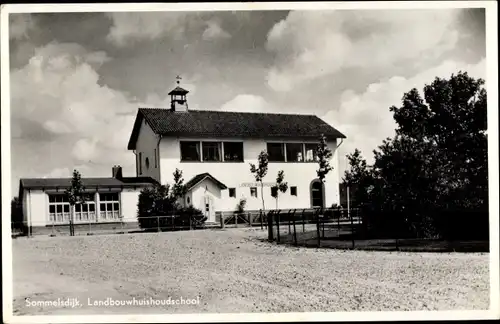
77,79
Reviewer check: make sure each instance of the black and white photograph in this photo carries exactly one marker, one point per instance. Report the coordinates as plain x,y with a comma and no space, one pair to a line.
249,161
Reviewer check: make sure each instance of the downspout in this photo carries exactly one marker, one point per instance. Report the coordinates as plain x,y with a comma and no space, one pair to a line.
136,168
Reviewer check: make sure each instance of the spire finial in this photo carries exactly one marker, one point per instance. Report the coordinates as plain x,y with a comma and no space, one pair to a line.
178,78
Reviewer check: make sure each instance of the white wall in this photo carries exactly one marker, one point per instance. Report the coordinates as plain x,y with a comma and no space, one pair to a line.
234,174
35,207
147,142
128,201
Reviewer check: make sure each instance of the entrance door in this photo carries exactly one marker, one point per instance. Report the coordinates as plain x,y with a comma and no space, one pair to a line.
208,208
317,194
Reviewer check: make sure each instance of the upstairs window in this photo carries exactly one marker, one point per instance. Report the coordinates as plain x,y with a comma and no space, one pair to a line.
294,152
276,152
190,151
311,155
232,192
212,151
233,151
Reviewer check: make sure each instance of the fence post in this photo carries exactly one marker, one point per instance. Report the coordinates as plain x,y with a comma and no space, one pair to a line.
317,227
221,219
338,221
261,220
270,226
303,220
236,220
249,219
294,228
90,226
157,223
289,225
352,228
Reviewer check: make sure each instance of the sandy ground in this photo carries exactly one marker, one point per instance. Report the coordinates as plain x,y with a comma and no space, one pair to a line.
233,271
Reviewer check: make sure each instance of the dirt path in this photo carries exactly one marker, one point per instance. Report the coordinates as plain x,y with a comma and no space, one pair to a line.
232,271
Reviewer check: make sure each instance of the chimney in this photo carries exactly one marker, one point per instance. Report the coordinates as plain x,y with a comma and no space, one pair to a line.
117,172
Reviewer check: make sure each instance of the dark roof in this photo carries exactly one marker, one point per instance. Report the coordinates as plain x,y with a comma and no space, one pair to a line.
201,123
200,177
63,183
178,90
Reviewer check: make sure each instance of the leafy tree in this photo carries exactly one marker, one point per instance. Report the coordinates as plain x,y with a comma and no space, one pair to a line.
76,196
179,188
16,213
432,177
260,172
281,186
324,154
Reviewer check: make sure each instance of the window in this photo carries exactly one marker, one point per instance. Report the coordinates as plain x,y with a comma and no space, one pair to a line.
276,152
274,191
311,155
211,151
190,151
147,163
253,192
294,152
140,162
232,192
110,206
86,211
156,159
233,151
59,208
316,194
293,191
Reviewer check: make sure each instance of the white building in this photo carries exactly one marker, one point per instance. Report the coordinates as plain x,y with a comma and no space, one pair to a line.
213,149
110,201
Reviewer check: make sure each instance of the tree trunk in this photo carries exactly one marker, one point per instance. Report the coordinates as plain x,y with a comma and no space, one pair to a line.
262,196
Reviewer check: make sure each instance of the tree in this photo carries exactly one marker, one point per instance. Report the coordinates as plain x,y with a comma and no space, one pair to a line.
76,196
179,188
433,175
260,172
280,186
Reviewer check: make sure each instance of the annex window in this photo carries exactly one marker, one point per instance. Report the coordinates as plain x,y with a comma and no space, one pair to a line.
293,191
276,152
232,192
294,152
86,211
311,155
212,151
109,206
233,151
190,151
253,192
140,162
59,209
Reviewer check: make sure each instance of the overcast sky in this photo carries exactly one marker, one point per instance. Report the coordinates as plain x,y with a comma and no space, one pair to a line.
77,79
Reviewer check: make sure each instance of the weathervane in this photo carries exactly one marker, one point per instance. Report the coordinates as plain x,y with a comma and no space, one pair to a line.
178,79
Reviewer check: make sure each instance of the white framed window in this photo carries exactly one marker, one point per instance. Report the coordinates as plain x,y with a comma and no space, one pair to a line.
86,211
253,192
109,209
59,209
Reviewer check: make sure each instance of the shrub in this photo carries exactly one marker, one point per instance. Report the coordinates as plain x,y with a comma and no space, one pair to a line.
156,204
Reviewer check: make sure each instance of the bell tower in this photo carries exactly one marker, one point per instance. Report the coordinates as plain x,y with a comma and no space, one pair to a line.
178,101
